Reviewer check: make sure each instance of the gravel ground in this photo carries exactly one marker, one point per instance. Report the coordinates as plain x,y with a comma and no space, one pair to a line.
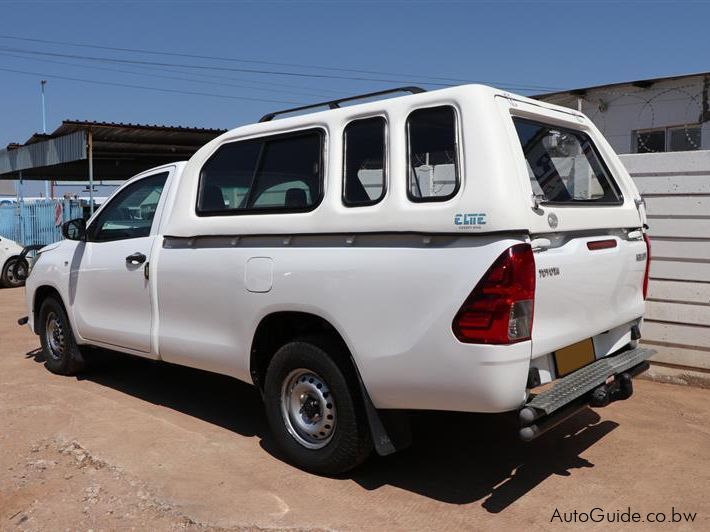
136,445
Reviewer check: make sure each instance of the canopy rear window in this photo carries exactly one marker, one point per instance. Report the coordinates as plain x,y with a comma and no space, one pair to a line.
564,166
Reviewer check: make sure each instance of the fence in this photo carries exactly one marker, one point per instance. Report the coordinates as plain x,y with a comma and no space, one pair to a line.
36,222
676,187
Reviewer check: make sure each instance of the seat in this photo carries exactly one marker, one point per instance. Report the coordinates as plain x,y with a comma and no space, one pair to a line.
212,199
296,198
354,189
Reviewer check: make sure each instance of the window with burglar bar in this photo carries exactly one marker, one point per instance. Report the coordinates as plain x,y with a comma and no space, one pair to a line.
675,138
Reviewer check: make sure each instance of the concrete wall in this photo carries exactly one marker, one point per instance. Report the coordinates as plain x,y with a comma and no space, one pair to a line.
7,188
676,187
619,110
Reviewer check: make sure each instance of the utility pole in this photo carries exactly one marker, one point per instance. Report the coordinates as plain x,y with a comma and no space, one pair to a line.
44,130
44,107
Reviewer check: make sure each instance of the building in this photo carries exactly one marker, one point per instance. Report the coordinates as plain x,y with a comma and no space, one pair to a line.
646,116
7,188
661,127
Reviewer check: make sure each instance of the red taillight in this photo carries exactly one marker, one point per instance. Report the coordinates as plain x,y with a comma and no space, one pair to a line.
500,308
648,264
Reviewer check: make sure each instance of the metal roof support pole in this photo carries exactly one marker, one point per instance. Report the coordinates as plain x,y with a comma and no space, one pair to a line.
91,173
18,191
20,218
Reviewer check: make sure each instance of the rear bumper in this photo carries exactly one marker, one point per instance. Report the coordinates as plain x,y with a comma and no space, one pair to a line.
598,384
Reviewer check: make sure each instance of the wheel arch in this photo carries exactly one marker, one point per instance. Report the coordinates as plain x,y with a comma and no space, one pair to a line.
41,293
279,328
6,261
9,258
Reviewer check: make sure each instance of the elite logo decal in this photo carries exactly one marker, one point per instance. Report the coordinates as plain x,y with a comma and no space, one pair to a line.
470,220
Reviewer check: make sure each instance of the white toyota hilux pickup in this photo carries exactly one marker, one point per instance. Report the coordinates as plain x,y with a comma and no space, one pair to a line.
464,249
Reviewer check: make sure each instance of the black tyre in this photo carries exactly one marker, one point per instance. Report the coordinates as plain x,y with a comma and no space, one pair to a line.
62,354
314,407
12,270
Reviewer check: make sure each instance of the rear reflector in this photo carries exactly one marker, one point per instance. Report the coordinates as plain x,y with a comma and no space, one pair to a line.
601,244
648,265
500,308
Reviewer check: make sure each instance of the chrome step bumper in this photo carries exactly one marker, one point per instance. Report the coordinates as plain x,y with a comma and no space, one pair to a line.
606,380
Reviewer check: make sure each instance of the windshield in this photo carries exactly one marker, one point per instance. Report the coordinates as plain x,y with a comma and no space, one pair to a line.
564,165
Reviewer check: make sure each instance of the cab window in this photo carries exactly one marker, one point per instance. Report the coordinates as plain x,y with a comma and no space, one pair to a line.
130,214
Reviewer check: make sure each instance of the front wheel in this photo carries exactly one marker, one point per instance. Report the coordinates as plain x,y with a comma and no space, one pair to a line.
314,408
14,272
62,354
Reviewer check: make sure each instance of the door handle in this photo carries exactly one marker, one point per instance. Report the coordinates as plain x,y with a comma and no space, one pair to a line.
136,258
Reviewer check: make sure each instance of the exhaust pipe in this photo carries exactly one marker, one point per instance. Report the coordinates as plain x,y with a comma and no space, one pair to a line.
534,423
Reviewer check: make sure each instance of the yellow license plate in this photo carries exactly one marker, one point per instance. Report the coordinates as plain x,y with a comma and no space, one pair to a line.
573,357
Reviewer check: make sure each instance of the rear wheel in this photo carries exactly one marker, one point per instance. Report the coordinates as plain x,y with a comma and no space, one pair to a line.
62,354
314,408
12,272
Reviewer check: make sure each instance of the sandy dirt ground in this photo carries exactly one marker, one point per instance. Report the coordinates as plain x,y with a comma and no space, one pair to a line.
137,445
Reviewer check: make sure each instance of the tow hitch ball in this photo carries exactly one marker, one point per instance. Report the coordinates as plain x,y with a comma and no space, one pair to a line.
617,389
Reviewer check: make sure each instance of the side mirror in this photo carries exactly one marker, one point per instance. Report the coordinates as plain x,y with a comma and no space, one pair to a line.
74,229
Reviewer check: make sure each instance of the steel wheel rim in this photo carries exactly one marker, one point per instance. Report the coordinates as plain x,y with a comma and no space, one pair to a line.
54,335
19,268
11,273
308,408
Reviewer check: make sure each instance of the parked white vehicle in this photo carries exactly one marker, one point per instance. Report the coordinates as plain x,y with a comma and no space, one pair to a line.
446,250
9,255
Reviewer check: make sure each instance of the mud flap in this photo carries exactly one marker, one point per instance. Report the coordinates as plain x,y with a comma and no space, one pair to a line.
390,429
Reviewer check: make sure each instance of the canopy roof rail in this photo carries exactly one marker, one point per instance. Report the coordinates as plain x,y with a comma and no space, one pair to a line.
335,104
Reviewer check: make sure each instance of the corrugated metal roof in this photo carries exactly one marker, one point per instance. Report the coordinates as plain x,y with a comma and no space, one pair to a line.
120,150
639,83
142,126
51,152
106,130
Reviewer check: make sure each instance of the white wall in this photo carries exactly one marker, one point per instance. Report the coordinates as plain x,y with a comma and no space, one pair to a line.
676,187
618,110
7,188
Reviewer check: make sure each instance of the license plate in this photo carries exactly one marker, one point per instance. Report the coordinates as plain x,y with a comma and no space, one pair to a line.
573,357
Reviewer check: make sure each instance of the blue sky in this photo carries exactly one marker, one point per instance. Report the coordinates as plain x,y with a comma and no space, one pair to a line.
526,45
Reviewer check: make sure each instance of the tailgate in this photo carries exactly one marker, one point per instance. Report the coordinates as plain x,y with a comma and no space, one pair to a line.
585,225
582,292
